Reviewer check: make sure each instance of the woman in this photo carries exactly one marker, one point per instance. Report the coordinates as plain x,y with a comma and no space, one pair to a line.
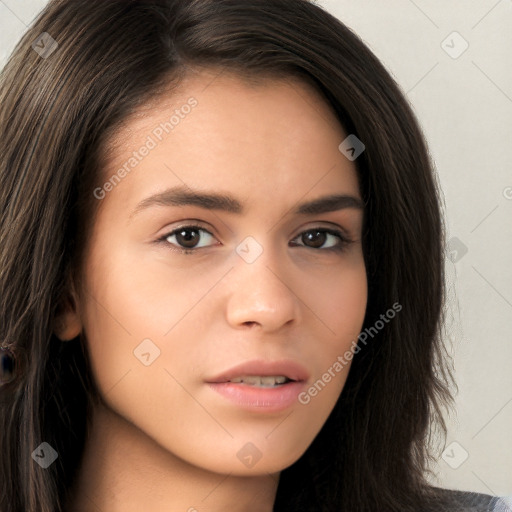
222,266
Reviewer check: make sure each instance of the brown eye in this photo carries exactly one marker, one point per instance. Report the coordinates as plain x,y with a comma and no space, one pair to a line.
318,237
187,238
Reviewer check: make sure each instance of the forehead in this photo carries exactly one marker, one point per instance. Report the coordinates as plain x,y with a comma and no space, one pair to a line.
270,135
233,100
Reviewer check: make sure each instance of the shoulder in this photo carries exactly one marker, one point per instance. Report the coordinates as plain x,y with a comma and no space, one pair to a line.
504,504
451,500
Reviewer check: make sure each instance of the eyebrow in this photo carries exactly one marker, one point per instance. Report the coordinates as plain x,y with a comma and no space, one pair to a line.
184,196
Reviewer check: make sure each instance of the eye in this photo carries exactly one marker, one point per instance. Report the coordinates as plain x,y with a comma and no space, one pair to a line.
318,237
186,238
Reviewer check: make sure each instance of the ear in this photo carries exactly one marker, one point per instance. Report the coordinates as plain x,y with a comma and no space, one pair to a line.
67,323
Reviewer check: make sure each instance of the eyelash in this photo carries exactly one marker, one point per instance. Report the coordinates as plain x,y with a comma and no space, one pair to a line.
343,245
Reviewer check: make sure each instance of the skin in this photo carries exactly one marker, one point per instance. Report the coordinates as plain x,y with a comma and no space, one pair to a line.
162,439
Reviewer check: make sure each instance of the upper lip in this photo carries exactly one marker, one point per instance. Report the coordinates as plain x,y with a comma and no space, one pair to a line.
286,367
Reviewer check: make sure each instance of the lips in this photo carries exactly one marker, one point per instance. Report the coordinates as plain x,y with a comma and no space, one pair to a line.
262,368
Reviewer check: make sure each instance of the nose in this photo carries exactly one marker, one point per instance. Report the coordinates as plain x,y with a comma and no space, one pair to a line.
262,293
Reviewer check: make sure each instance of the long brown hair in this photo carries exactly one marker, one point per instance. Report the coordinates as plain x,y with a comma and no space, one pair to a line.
58,110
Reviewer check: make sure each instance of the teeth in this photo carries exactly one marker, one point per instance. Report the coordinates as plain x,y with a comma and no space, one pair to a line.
266,381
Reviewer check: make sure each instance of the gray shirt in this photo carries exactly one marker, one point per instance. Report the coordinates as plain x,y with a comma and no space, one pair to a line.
467,501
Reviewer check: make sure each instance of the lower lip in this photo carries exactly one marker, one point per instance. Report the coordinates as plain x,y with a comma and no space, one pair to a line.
259,399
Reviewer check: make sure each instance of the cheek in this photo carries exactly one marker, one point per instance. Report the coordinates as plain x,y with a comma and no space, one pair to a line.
340,302
127,295
129,302
117,315
339,305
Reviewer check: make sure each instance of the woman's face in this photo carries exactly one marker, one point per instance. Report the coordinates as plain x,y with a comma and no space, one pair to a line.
264,283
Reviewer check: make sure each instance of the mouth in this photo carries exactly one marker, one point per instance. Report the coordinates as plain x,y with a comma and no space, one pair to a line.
262,381
263,373
261,386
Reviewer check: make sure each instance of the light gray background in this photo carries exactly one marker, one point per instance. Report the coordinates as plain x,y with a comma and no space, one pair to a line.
464,105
